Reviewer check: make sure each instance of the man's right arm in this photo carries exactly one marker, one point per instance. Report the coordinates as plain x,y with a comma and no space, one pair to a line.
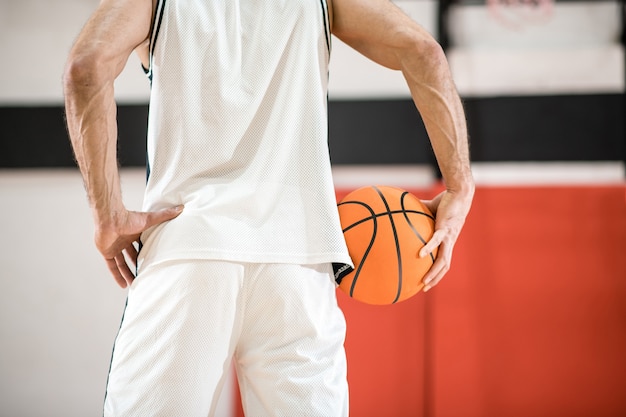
95,61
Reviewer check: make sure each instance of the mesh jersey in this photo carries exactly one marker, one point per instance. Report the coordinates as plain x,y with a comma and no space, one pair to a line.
237,132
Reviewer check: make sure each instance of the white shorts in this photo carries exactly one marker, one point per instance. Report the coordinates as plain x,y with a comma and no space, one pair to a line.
185,321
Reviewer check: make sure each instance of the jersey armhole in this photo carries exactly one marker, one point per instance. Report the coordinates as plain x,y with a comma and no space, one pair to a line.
156,27
326,17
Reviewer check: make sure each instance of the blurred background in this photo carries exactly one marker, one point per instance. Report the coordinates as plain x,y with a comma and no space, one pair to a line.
530,321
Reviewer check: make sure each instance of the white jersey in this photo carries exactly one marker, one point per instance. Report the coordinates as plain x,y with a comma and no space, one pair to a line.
238,133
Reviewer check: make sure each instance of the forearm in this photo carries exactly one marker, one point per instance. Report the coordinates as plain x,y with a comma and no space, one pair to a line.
97,58
92,126
382,32
434,93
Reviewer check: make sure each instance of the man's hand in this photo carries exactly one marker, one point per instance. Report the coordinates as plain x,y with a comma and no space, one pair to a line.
450,210
116,239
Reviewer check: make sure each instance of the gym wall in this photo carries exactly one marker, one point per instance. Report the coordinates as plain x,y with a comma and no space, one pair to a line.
536,86
528,322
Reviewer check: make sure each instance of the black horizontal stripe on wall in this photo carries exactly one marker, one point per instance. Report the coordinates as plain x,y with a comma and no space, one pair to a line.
550,128
547,128
377,132
36,137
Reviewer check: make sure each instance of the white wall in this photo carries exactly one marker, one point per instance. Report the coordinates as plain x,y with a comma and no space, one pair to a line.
35,38
59,307
568,48
59,311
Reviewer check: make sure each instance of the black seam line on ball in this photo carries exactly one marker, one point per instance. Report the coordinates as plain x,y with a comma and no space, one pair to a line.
419,236
395,237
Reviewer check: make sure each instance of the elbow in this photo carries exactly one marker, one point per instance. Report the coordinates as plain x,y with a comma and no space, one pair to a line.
420,52
81,71
433,51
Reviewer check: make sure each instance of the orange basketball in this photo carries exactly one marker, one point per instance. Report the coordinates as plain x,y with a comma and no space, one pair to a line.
385,227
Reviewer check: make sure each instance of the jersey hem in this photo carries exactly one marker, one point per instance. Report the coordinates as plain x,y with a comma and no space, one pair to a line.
331,257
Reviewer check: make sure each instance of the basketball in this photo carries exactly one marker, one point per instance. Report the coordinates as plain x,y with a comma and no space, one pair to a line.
385,227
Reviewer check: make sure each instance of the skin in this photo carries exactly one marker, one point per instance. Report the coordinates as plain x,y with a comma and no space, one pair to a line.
376,28
381,31
99,55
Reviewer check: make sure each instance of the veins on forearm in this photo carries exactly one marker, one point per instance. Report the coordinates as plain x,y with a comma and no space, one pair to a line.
441,110
91,116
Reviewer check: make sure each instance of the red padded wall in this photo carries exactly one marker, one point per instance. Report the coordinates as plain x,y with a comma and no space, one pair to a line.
530,321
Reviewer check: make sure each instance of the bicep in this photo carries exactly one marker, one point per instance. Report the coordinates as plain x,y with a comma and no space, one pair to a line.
378,29
110,35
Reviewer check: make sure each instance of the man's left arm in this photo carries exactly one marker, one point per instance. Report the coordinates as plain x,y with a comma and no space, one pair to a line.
382,32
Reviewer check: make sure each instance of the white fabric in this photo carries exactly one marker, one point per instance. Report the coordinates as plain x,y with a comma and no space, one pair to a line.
186,320
238,133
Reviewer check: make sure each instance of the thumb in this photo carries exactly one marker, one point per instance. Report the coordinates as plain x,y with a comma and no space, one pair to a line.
155,217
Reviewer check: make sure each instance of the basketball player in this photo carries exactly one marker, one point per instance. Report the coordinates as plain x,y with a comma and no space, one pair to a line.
240,226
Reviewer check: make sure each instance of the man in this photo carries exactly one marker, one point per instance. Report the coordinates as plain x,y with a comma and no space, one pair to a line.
240,227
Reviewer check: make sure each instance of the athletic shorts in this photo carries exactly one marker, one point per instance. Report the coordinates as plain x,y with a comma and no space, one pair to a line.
187,321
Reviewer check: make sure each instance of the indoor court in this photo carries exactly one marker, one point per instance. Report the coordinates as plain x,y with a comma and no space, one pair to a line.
530,320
